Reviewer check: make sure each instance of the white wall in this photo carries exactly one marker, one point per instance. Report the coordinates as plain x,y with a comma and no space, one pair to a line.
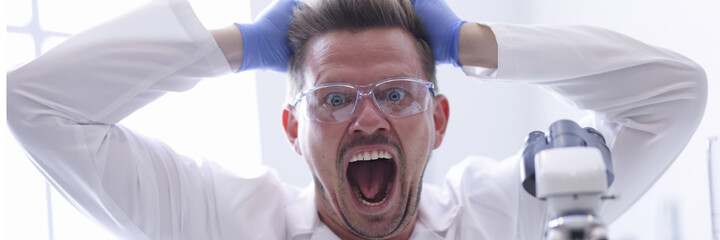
493,119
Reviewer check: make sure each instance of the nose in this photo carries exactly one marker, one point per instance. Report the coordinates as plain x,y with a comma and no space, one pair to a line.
369,119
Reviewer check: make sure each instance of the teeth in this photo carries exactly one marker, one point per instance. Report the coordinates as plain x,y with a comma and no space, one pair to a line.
370,204
370,155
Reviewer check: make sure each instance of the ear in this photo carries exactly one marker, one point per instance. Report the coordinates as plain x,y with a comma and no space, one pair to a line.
290,125
441,114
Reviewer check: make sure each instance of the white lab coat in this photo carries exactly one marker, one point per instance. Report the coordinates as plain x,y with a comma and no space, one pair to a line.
63,107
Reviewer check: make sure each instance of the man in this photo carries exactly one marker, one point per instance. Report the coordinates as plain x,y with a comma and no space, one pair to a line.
363,110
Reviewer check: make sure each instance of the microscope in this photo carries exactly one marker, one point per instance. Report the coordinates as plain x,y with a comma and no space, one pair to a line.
570,169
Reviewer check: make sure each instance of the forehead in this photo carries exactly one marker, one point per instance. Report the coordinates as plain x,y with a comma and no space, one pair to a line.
361,57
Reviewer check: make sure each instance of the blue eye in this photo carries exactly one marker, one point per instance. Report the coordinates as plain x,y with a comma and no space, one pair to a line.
396,94
335,99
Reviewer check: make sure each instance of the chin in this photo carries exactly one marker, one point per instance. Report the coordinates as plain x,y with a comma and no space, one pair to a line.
387,220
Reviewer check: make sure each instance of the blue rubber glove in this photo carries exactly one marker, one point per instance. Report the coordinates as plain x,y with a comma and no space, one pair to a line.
265,46
442,26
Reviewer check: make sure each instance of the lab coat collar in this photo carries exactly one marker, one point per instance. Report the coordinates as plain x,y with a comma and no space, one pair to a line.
302,219
437,212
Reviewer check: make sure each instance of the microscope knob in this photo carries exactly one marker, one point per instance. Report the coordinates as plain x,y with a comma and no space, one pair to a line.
596,133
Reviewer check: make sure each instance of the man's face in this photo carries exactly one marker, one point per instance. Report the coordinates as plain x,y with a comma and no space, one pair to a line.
376,198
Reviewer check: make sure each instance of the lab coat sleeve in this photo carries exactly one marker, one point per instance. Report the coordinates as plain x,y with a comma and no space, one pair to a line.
63,107
646,100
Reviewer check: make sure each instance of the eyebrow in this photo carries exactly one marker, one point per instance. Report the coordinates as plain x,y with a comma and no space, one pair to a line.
385,77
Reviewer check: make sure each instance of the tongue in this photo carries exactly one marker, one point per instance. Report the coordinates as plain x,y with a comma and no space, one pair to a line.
371,177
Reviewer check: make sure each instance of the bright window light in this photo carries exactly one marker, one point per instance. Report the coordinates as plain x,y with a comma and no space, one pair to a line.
20,49
72,16
21,13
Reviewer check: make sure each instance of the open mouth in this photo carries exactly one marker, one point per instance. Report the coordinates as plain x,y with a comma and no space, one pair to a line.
371,175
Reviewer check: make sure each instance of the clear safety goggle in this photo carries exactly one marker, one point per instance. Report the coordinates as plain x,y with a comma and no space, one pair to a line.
336,102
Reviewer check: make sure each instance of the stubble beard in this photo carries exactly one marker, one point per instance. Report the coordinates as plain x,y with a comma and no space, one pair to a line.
371,227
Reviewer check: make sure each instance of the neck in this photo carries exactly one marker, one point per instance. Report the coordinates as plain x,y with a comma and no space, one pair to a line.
344,233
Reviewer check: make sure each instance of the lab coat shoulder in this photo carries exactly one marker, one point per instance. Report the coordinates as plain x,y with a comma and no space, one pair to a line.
144,184
647,101
481,199
255,207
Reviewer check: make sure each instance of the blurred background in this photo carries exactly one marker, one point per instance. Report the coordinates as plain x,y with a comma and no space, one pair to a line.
235,120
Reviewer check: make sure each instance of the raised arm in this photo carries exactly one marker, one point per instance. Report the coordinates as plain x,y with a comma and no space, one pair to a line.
646,100
477,46
64,106
261,44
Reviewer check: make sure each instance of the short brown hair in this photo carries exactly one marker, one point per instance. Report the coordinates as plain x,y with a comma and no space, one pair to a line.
324,16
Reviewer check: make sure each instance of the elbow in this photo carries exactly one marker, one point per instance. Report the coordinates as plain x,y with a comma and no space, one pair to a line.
701,82
689,102
25,110
698,92
14,97
673,100
17,109
29,117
